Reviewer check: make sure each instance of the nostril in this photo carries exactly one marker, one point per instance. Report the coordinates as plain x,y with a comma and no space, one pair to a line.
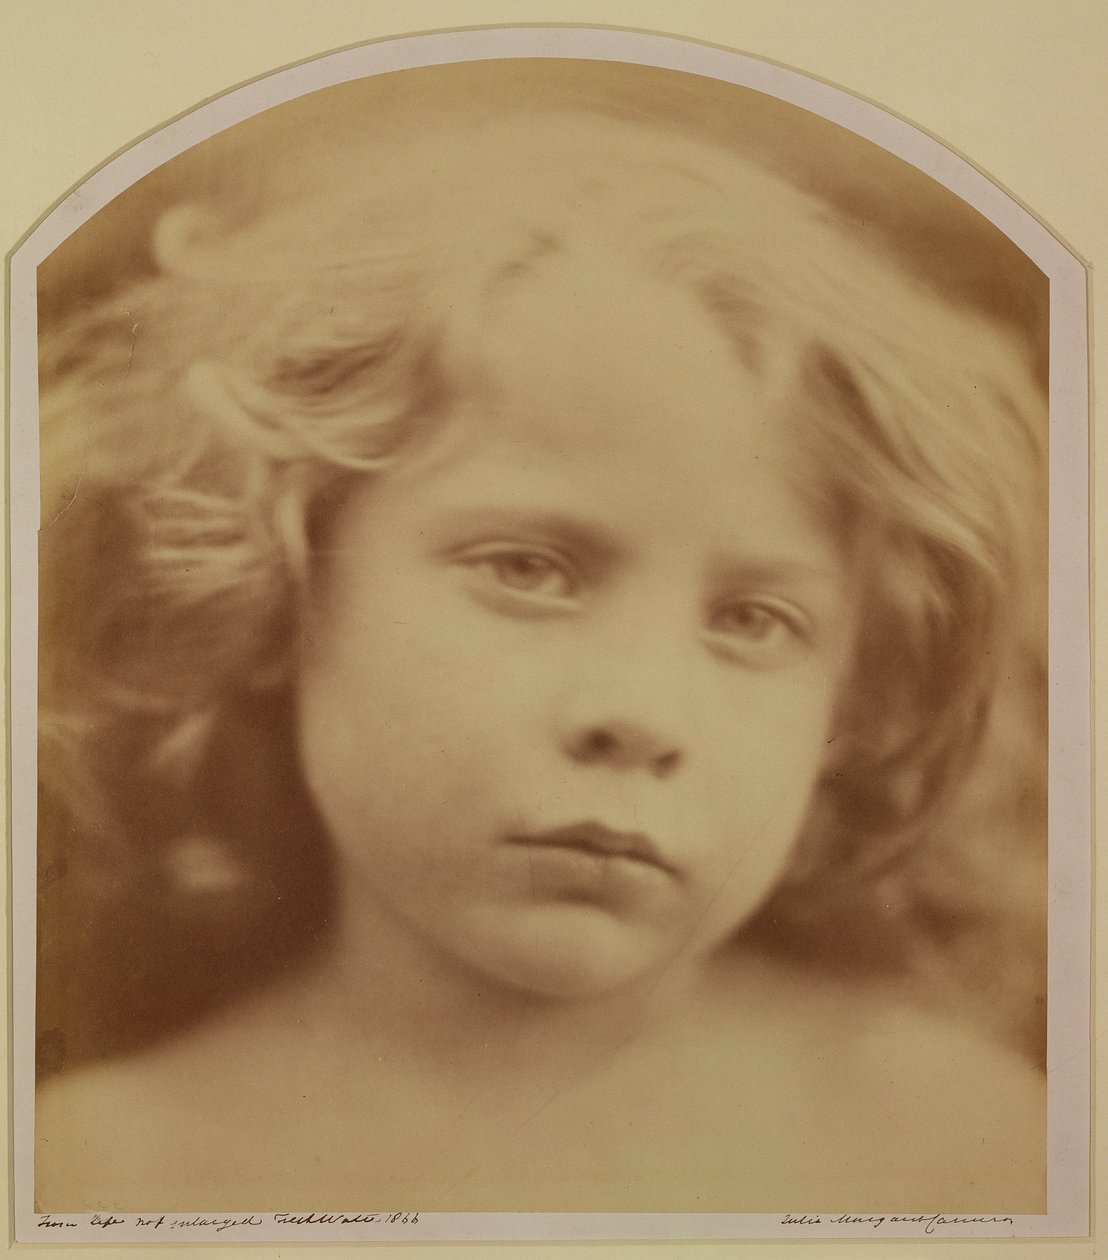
599,743
624,746
667,763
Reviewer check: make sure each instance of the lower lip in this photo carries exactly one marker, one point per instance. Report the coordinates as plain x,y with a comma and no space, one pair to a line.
569,873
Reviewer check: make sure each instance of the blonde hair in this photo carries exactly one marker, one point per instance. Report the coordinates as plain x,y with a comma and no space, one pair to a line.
199,428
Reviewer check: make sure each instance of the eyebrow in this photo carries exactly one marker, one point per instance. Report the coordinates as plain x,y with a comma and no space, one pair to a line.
602,545
582,535
773,570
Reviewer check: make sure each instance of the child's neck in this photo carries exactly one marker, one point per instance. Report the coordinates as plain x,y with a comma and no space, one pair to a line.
405,1000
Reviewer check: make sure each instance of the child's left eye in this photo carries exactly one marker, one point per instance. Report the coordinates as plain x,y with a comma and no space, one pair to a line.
761,626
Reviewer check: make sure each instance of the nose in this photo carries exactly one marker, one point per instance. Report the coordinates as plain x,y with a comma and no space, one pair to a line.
630,697
623,744
627,705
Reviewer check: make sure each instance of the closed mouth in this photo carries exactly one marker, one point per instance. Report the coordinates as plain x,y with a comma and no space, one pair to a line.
595,838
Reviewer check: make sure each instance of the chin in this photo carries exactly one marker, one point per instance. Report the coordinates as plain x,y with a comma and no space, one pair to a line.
570,954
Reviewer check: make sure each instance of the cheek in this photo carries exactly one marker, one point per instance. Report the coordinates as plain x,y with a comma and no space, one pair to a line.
399,715
770,748
760,807
779,731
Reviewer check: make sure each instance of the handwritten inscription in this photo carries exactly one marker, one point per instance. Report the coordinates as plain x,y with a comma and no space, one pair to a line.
925,1222
102,1222
341,1218
930,1221
166,1221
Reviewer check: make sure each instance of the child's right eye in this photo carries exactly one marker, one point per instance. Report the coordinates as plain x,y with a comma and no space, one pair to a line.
532,572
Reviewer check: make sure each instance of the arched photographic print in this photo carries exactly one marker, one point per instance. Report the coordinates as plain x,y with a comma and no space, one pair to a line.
542,624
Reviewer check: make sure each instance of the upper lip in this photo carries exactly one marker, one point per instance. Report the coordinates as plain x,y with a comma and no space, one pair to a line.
594,837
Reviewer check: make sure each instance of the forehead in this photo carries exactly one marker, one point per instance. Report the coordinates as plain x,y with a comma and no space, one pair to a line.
585,348
588,381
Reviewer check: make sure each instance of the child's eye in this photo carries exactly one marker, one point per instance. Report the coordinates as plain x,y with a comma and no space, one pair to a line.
758,630
528,571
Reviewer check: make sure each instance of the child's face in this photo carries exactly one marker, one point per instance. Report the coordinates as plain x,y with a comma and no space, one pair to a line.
571,680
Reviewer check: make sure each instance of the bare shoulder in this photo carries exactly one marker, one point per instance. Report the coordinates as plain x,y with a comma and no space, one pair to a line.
114,1135
94,1130
975,1110
886,1106
251,1111
903,1042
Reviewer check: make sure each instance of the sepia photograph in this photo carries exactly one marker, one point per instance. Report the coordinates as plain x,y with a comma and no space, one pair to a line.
542,666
